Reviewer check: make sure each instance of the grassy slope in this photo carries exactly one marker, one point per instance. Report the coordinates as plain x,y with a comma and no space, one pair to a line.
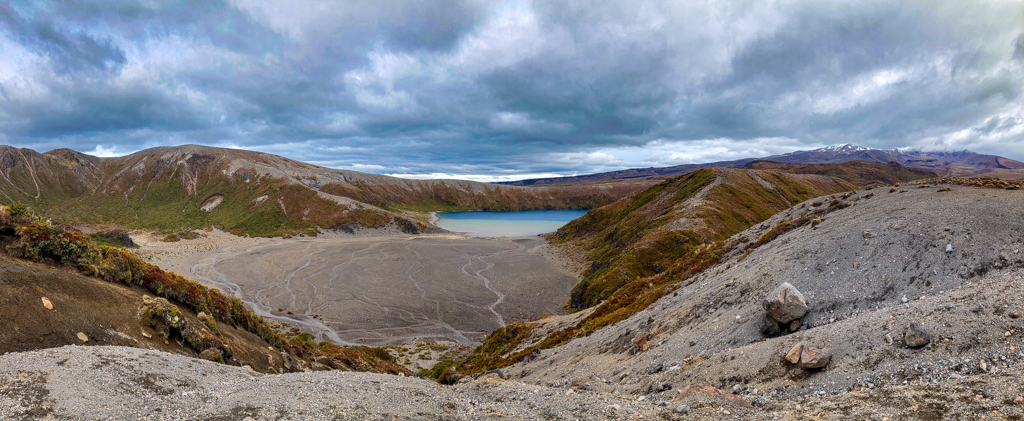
167,195
453,195
165,187
859,173
644,246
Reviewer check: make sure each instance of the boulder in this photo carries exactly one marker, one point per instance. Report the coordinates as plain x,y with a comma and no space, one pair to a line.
916,336
785,304
814,358
808,357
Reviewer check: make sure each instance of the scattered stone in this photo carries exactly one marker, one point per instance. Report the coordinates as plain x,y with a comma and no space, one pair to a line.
704,389
640,341
868,234
949,248
736,388
82,337
785,304
496,372
814,357
947,229
47,303
212,354
916,336
795,325
1015,314
1019,400
983,366
683,409
793,356
146,335
888,339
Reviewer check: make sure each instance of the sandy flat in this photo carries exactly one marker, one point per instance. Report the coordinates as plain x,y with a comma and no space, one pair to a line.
379,290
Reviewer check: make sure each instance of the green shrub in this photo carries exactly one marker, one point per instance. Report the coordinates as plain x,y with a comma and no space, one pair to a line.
443,372
19,209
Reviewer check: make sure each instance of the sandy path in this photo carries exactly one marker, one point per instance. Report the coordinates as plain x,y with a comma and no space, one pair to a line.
379,290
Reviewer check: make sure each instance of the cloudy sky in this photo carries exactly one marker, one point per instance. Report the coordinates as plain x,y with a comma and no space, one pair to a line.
490,90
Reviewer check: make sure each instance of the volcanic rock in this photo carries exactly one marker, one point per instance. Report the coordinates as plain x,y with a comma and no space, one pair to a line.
785,304
814,358
793,356
916,336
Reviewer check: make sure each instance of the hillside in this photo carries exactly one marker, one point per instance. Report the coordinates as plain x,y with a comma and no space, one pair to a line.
246,192
59,288
949,164
941,254
647,245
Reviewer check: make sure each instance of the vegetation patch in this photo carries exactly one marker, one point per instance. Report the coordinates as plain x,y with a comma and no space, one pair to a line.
41,240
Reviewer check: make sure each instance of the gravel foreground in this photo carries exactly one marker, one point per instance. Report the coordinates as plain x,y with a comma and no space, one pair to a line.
119,383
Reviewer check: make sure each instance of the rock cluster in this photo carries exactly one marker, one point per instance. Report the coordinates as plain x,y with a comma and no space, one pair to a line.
808,357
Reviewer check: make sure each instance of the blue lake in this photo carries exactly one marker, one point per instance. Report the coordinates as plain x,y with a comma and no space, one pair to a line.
506,223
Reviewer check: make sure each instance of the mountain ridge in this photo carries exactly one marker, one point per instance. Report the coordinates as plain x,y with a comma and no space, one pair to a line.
948,164
170,189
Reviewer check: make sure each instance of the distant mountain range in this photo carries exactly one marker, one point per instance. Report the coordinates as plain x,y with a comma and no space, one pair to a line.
958,164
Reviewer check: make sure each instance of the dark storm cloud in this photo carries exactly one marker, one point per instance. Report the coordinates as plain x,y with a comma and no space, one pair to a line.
502,88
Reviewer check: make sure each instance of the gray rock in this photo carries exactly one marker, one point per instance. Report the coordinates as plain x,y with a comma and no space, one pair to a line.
768,327
795,325
916,336
785,304
683,409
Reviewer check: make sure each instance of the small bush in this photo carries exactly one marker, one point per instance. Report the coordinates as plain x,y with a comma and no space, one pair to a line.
443,372
17,209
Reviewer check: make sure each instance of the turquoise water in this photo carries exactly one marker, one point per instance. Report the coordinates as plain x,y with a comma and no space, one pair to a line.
506,223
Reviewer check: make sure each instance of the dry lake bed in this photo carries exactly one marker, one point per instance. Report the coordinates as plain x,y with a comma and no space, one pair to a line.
383,290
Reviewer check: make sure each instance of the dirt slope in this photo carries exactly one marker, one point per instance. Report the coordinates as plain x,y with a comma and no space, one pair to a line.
107,313
854,269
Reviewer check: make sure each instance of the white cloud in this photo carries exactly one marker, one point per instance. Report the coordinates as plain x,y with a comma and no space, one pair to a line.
110,151
485,178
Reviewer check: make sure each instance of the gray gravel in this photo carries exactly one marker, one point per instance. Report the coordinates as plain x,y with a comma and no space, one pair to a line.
99,383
